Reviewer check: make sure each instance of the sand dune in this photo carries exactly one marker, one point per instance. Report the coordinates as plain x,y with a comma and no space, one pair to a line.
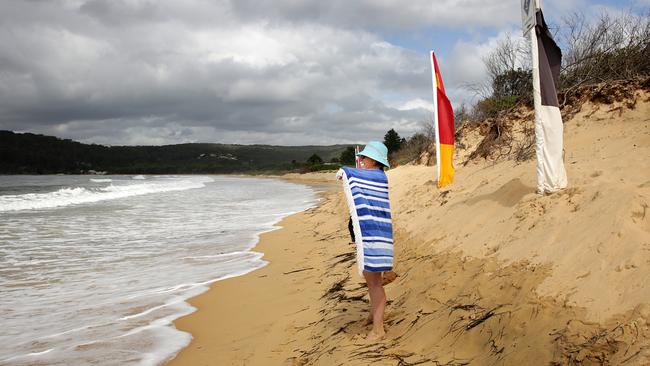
488,271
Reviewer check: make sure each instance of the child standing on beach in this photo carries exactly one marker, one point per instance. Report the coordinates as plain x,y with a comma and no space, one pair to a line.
367,194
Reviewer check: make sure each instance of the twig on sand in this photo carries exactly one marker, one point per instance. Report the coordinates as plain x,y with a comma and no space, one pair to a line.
463,307
342,329
298,270
487,315
345,257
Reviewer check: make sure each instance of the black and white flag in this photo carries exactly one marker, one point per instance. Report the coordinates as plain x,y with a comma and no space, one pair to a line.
549,130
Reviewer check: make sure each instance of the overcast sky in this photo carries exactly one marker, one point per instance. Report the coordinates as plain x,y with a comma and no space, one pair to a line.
287,72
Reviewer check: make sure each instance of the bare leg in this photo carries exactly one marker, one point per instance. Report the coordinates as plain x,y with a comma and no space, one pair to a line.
378,304
369,319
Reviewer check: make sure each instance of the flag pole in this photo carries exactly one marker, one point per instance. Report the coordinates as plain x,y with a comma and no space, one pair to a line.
435,110
357,161
537,102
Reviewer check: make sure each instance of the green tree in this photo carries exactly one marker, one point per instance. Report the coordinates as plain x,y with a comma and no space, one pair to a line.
393,141
347,156
315,159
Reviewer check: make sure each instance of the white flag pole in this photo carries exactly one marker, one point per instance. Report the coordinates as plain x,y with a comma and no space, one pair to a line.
435,110
537,101
356,157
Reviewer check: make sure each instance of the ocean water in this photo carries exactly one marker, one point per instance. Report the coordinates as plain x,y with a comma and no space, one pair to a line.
93,269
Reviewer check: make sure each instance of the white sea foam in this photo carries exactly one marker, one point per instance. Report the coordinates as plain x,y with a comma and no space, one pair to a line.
28,355
139,177
101,284
102,180
79,195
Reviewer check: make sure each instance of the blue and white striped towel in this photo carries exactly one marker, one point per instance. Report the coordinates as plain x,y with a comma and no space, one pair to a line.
367,194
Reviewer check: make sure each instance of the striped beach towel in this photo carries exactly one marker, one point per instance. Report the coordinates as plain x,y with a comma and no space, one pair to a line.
367,194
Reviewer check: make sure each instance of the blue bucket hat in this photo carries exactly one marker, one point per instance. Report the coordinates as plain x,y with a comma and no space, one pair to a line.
376,151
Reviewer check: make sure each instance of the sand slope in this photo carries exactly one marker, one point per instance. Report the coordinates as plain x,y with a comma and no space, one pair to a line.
595,233
489,272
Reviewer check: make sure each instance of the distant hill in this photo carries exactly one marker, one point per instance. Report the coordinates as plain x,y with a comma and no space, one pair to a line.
27,153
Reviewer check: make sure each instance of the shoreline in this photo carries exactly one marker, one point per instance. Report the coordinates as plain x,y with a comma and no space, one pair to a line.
228,324
151,318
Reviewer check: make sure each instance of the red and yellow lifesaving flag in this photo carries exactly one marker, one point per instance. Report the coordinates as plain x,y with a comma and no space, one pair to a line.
443,120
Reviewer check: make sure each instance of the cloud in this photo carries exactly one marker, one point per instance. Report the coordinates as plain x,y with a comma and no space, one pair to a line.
416,103
384,14
126,72
283,72
463,69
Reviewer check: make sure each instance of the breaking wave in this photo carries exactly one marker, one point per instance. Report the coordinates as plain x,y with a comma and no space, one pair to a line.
80,195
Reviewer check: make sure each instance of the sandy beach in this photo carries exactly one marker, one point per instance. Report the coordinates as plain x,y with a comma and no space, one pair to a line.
489,272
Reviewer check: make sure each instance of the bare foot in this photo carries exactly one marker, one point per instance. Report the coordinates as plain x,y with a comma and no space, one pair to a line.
375,336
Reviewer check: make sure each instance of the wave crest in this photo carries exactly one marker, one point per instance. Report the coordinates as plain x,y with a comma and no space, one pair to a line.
80,195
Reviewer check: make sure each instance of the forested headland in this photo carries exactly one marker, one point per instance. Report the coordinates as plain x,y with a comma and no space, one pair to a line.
27,153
